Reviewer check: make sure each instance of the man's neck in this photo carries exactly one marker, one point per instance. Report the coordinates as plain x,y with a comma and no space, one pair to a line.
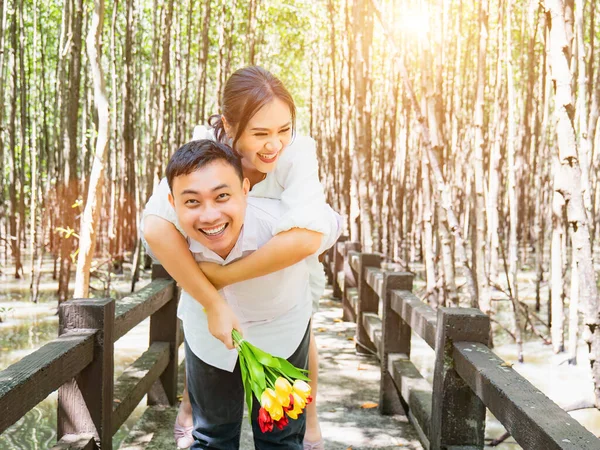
225,253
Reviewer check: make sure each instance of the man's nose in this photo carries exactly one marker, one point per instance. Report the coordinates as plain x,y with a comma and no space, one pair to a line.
209,215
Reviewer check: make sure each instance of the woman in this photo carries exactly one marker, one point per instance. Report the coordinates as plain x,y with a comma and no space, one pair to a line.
258,120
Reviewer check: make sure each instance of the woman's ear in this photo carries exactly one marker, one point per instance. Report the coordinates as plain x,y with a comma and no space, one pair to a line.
227,126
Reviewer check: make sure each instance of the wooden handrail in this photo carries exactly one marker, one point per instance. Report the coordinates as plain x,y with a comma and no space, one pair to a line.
468,376
532,419
28,381
79,363
135,308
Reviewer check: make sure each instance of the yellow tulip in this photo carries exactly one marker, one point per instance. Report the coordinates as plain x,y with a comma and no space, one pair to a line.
302,388
268,400
299,405
283,389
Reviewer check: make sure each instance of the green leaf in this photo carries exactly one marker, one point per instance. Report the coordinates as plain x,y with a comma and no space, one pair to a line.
247,387
292,371
263,357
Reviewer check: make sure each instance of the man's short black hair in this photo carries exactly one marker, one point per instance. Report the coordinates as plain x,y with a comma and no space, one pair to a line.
197,154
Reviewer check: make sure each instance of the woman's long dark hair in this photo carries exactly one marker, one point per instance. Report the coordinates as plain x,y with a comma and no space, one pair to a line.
246,91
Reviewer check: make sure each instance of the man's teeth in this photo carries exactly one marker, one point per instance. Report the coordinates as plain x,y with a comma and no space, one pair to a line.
215,230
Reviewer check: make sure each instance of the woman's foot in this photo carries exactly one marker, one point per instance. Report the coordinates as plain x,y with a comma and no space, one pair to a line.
184,425
318,445
313,440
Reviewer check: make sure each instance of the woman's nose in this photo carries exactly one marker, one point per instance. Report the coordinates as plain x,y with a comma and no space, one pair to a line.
274,144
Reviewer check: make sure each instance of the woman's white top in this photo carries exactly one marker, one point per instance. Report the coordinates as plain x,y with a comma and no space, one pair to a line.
295,181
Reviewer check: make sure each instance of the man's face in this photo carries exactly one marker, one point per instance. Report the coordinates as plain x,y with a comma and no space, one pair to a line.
210,204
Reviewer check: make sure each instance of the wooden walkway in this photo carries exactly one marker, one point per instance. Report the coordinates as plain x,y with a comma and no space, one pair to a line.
362,399
348,384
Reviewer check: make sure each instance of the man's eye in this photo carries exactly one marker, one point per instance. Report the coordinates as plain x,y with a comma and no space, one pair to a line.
191,202
223,196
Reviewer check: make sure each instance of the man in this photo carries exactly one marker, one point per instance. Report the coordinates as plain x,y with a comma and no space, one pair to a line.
209,195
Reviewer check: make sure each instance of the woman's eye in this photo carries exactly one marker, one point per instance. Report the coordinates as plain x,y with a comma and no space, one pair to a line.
284,130
260,134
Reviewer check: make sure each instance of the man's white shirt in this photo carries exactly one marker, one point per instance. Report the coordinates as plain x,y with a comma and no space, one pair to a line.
274,310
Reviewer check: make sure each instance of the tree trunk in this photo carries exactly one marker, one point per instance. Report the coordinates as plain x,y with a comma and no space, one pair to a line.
513,195
569,183
93,205
480,248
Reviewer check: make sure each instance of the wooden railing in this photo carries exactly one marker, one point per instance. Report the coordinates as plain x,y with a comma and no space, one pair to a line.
468,376
80,364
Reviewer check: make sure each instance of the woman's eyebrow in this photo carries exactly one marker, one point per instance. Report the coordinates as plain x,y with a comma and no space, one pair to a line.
267,129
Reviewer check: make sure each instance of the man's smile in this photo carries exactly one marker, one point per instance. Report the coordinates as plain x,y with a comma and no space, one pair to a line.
215,231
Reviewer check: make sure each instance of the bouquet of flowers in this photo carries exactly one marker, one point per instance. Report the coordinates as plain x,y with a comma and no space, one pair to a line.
281,387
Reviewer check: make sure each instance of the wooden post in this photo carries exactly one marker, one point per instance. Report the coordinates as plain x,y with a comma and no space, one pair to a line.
349,279
368,301
85,403
337,266
395,338
164,327
457,415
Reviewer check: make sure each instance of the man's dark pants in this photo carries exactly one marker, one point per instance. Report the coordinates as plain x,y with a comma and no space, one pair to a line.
217,398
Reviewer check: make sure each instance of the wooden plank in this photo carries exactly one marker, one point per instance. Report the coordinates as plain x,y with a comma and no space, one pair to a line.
420,317
457,414
180,335
395,338
374,277
352,295
535,421
131,310
354,260
76,442
368,301
350,281
85,402
137,380
372,324
164,327
30,380
415,391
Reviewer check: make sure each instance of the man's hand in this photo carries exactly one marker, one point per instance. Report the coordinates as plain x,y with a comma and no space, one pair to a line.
221,322
215,273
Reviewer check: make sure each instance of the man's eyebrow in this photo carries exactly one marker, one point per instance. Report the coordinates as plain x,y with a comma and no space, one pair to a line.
266,129
194,192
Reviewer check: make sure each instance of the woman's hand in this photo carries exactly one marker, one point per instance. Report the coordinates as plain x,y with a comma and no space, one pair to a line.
215,273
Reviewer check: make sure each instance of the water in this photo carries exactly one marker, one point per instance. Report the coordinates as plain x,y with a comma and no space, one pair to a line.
25,327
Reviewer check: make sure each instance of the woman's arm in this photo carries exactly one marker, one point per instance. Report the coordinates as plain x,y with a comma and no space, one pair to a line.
172,251
283,250
299,232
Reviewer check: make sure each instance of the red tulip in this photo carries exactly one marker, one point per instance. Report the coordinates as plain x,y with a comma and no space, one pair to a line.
265,421
281,423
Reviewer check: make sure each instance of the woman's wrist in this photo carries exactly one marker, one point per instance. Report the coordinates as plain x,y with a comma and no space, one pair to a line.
230,273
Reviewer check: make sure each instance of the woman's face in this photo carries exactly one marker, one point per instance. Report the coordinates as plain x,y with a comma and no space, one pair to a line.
268,132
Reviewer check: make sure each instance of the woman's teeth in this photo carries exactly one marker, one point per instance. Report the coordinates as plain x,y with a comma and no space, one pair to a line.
267,156
213,231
